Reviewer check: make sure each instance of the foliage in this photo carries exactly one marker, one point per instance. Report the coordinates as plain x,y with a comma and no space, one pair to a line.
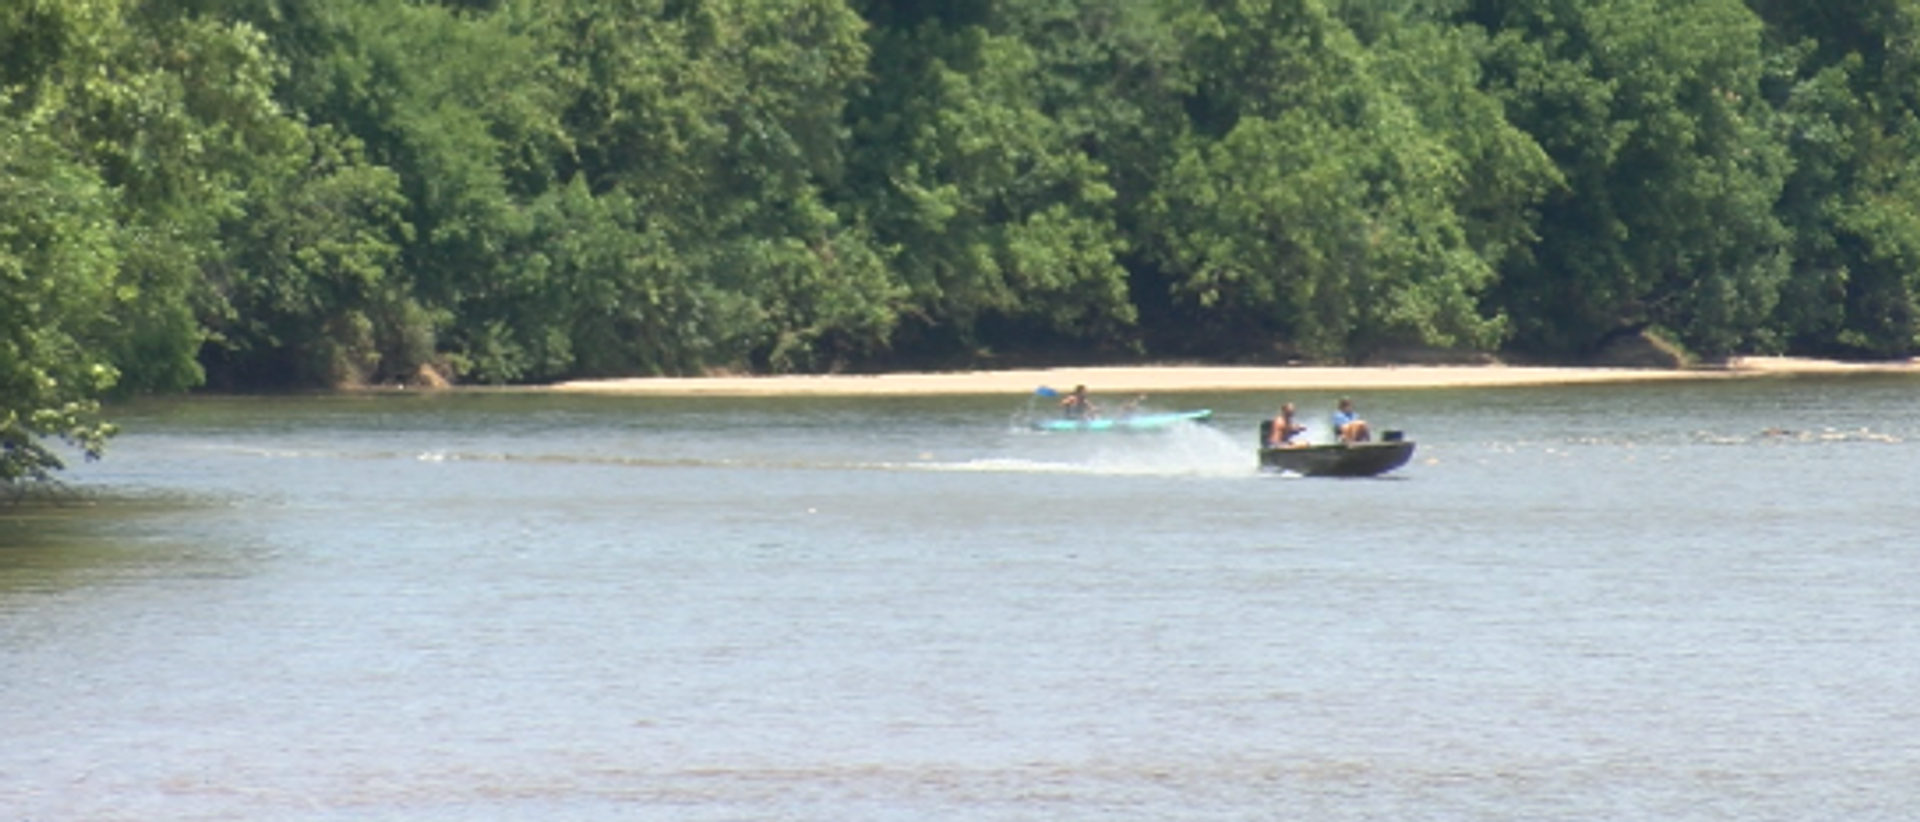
988,209
1843,76
1312,202
58,265
1651,111
268,193
308,291
714,132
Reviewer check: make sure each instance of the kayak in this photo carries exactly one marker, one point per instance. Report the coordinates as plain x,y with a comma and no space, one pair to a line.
1131,422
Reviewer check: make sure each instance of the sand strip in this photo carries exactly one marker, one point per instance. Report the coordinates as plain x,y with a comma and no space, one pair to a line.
1122,379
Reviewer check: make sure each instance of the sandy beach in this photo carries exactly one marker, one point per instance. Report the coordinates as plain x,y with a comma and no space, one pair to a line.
1123,379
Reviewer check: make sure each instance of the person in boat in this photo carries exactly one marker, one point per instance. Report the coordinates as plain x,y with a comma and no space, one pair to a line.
1348,425
1286,430
1076,406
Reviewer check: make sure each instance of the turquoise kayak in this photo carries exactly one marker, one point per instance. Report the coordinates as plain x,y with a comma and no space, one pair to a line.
1131,422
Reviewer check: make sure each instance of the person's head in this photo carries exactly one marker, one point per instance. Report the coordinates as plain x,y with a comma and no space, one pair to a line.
1286,410
1346,404
1079,389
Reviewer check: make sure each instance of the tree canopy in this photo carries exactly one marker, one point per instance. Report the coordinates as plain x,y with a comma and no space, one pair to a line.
248,195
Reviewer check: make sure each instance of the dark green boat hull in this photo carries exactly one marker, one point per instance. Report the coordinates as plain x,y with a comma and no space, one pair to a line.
1361,459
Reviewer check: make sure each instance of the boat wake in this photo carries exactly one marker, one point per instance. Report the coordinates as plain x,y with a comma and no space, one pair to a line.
1185,450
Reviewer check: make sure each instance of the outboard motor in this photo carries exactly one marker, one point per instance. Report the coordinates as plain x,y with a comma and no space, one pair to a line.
1266,433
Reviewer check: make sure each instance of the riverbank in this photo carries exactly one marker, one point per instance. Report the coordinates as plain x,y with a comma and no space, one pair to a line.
1166,378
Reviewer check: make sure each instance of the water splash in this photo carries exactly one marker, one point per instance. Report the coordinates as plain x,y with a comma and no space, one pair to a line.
1184,450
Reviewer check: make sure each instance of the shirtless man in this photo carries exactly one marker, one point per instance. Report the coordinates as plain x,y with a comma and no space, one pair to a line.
1285,429
1076,406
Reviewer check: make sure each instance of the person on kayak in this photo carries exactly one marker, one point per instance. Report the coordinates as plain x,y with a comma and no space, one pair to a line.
1076,406
1347,423
1286,430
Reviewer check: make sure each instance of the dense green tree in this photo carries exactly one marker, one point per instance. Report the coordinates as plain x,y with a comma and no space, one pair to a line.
1313,207
1112,77
448,101
59,264
125,94
991,212
1845,86
439,126
127,141
719,129
310,292
1651,112
323,192
1434,66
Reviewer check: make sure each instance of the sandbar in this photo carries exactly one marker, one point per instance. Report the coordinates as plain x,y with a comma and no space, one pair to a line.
1178,377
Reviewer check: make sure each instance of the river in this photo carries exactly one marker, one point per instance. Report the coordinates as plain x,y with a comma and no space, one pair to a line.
1675,601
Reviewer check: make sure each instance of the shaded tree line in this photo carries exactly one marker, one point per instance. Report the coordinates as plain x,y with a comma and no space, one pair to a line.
272,193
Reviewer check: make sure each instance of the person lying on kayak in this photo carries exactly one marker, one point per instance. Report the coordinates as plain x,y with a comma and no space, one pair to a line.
1076,406
1347,423
1286,431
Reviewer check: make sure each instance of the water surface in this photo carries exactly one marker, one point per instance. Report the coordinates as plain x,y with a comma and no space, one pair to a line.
1664,601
